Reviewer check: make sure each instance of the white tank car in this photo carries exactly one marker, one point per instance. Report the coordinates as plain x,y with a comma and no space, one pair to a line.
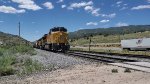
136,44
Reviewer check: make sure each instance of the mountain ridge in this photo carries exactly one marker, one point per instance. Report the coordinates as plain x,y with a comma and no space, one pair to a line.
109,31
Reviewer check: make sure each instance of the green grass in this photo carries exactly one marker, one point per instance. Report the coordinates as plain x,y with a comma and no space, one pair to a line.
22,49
8,60
110,39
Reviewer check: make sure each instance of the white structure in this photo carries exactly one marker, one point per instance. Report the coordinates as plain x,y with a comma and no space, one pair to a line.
136,44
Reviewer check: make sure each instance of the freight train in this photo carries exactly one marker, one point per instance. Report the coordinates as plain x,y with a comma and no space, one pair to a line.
55,40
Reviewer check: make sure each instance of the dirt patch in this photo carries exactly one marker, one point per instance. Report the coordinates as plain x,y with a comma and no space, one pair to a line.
87,74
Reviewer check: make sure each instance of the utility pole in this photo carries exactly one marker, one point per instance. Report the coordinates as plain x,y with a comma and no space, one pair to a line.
19,32
19,29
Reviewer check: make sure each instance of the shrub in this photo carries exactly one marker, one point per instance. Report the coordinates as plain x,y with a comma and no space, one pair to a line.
127,70
1,54
29,66
23,49
6,63
114,70
2,50
8,60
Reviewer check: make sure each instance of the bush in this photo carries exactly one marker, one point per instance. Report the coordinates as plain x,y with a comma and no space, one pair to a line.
8,60
1,54
6,63
2,50
23,49
114,70
29,66
127,70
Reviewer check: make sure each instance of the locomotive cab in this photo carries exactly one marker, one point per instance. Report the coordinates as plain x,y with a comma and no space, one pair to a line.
59,39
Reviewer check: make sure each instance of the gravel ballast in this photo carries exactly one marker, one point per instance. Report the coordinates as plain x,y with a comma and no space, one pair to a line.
48,58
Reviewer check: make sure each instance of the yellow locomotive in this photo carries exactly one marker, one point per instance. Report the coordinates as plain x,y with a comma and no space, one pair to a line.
55,40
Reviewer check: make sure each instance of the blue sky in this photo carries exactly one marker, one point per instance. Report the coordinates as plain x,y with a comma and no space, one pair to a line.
38,16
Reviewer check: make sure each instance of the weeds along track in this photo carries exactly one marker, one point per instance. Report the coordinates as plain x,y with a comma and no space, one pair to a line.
133,62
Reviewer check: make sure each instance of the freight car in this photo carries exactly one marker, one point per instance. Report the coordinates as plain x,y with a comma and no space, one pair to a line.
136,44
55,40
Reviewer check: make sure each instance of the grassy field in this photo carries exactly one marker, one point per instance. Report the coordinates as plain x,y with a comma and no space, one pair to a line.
147,53
109,39
10,64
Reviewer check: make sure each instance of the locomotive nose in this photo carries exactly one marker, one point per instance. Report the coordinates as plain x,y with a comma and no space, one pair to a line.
61,37
61,34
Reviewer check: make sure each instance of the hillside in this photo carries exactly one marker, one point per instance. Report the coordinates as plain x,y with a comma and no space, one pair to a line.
10,39
109,31
98,39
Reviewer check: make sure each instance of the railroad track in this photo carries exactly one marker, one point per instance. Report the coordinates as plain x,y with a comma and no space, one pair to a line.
135,63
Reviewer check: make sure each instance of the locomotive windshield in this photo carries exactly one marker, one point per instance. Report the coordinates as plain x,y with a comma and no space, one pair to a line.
59,29
44,36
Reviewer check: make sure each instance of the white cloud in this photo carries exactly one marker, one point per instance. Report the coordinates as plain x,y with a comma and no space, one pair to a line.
95,12
9,9
109,15
88,6
120,24
27,4
49,5
60,1
125,4
79,5
141,7
1,21
92,10
63,6
104,21
119,2
123,8
91,23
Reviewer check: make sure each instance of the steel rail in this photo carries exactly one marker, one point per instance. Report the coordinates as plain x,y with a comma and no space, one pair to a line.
110,60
